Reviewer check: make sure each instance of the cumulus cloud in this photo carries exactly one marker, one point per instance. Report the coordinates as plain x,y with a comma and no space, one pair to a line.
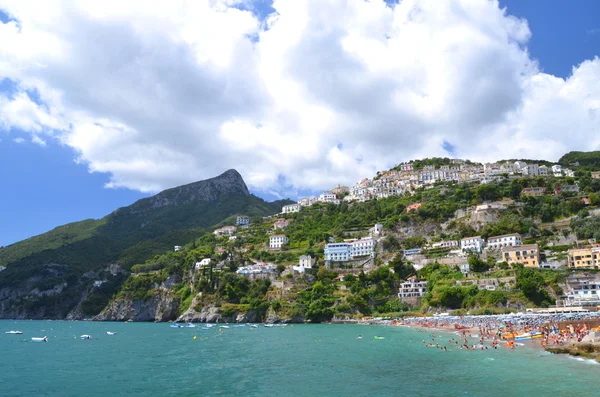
319,92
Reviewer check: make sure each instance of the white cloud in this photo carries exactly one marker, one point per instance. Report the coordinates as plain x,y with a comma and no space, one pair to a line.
18,140
323,92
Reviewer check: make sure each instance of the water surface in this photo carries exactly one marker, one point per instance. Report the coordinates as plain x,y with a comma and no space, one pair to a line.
300,360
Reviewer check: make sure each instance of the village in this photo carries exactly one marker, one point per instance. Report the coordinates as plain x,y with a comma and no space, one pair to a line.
365,251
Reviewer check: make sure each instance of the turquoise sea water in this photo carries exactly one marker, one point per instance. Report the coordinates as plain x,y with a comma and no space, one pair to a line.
300,360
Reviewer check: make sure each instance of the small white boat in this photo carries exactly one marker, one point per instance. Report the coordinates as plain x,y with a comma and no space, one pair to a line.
209,325
269,325
14,332
86,337
110,333
190,325
176,326
253,326
224,326
44,339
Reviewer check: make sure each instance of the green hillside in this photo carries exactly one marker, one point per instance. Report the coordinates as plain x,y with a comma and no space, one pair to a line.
586,160
126,237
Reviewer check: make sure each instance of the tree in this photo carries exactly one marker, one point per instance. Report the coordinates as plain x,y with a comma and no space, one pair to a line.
280,268
402,269
476,264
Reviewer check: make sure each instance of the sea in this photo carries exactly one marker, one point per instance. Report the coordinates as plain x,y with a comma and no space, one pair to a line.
147,359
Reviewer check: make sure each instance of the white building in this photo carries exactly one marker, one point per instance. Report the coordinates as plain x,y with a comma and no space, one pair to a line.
557,170
376,230
445,244
582,291
349,249
305,262
339,252
177,248
242,220
363,247
472,244
328,197
225,231
530,170
203,263
412,288
544,171
464,268
277,240
287,209
506,240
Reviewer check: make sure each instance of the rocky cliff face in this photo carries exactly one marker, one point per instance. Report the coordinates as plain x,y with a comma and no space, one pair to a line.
163,306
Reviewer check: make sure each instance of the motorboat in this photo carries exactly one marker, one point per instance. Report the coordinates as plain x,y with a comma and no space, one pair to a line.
86,337
176,325
44,339
110,333
224,326
14,332
190,325
269,325
253,326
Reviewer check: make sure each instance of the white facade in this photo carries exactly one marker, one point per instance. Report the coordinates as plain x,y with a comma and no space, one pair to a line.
338,252
464,268
557,170
507,240
348,250
225,231
177,248
362,247
277,240
203,263
376,230
445,244
305,262
287,209
412,289
242,220
471,244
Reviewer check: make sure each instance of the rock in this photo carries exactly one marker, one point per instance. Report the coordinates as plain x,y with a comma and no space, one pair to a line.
163,306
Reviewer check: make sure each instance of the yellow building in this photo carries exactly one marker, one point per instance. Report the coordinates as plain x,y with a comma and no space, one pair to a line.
596,174
528,255
584,258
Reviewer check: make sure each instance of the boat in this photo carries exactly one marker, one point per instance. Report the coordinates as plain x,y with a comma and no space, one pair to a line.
44,339
253,326
210,325
269,325
224,326
110,333
176,325
14,332
379,337
86,337
190,325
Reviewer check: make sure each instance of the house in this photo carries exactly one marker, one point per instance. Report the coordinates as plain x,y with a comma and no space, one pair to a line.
412,288
177,248
338,252
281,223
413,207
242,220
202,264
533,191
557,170
328,197
464,268
305,262
225,231
412,251
584,258
445,244
582,290
288,209
528,255
256,270
471,244
543,170
349,249
339,190
567,188
505,240
277,240
376,230
596,174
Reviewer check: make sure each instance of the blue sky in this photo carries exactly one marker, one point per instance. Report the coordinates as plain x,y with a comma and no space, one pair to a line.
43,187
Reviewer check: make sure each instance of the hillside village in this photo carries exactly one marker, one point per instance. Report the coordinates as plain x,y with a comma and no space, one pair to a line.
427,236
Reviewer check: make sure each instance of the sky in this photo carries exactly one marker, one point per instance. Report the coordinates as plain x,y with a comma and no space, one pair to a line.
105,102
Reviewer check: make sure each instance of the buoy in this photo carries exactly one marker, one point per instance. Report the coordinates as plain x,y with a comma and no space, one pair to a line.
194,337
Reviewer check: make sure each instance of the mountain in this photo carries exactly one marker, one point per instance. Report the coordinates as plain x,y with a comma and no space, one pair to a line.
47,276
587,160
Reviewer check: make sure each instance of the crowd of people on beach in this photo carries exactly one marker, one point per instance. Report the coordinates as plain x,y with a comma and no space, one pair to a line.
506,330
